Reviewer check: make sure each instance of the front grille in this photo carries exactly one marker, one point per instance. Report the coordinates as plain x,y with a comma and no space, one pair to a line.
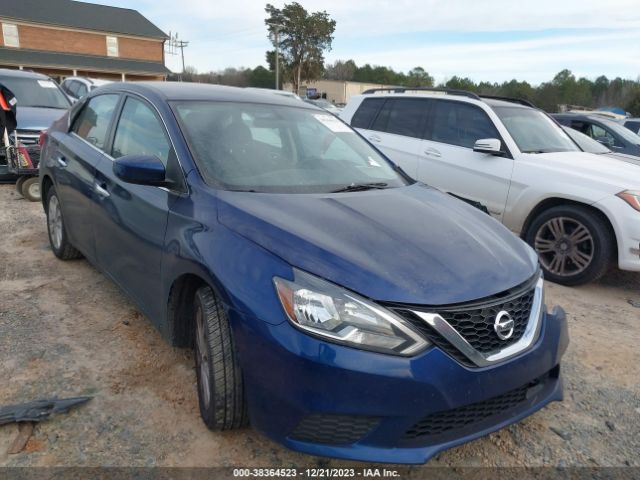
474,321
27,137
333,429
475,413
476,324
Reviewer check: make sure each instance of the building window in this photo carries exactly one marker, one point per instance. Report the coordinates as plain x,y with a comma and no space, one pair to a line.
10,35
112,46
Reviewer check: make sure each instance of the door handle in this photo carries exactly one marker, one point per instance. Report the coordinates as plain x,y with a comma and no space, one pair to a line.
62,161
432,152
102,190
375,138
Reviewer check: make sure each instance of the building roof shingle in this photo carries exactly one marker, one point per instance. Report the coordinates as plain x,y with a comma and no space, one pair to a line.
38,58
87,16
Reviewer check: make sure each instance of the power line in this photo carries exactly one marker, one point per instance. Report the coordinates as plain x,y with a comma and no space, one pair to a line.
173,44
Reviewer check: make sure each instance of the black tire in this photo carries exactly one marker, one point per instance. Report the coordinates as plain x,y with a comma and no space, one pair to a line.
61,246
30,189
19,183
220,386
574,243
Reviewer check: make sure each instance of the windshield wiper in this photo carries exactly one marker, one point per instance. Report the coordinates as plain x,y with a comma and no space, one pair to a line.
358,187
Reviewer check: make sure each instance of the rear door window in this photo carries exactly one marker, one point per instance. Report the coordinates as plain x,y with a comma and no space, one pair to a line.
92,123
366,112
402,116
461,124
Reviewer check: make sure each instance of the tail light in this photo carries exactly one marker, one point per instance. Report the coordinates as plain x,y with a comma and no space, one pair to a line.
43,138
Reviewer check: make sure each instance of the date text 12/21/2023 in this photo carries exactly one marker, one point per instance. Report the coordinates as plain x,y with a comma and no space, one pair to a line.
316,472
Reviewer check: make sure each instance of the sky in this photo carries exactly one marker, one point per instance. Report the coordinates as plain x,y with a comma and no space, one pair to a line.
486,40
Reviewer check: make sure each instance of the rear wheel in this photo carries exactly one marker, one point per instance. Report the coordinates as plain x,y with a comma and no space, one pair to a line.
574,244
57,230
30,189
220,385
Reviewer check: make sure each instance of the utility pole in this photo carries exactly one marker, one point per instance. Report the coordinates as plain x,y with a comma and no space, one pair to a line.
181,44
172,48
276,31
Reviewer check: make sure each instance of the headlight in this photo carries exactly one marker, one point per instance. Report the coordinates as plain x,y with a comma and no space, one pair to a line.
632,198
324,309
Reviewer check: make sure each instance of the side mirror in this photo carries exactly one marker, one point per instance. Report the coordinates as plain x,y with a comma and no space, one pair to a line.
140,170
492,146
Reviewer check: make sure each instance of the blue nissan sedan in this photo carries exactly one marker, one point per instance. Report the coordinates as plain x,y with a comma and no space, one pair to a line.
342,308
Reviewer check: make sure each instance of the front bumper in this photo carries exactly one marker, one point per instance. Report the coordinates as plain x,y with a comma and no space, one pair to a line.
626,225
330,400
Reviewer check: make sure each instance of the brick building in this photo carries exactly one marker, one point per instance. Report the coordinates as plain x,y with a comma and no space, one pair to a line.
62,38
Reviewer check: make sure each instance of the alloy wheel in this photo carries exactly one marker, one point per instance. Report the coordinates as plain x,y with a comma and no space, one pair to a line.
55,222
565,246
202,357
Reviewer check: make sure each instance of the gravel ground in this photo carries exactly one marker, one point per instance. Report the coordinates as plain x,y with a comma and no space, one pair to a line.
66,330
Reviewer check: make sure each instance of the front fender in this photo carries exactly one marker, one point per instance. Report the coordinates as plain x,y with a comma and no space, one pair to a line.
240,271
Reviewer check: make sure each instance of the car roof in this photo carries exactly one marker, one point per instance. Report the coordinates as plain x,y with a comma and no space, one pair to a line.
6,72
492,102
461,97
585,116
186,91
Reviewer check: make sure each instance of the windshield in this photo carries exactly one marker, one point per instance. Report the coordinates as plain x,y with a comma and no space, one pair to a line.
585,142
624,132
279,149
533,131
33,92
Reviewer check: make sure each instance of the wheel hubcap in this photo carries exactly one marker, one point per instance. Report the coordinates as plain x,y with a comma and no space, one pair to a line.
202,358
565,246
34,190
55,222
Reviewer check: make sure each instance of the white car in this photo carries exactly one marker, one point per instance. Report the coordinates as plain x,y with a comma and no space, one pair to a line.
78,87
282,93
580,211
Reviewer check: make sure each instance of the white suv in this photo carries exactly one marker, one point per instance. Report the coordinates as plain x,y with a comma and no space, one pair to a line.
578,210
78,87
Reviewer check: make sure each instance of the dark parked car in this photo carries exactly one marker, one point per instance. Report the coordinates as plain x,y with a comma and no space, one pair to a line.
343,308
589,145
632,124
608,132
40,102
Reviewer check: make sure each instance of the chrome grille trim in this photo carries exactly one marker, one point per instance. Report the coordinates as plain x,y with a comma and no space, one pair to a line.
480,359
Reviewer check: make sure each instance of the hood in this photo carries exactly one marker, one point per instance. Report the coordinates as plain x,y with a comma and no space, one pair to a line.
594,168
410,245
37,118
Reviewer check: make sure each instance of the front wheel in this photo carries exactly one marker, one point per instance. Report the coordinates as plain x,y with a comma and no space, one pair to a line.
220,385
574,244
